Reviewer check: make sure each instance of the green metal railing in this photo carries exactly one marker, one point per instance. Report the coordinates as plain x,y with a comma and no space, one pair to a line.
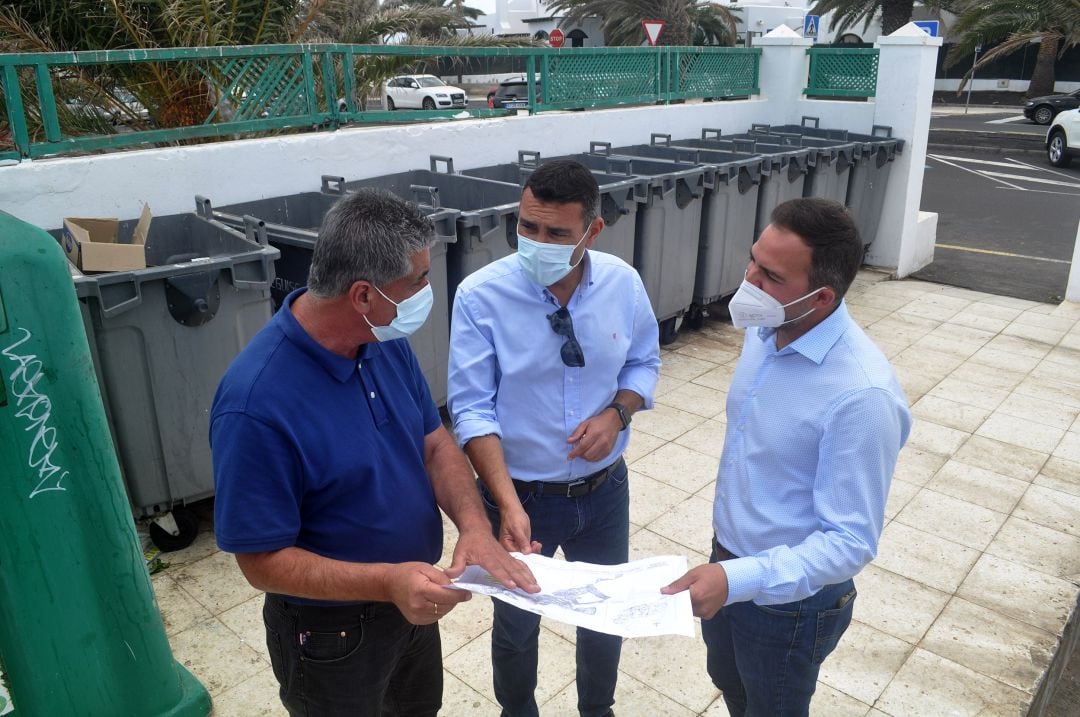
61,103
842,72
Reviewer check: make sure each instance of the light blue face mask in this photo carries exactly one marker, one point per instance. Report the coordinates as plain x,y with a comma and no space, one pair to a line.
411,315
546,264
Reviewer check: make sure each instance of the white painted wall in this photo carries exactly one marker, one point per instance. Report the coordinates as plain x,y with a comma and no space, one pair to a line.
43,192
1072,289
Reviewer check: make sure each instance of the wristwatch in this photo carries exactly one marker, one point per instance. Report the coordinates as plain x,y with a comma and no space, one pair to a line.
624,414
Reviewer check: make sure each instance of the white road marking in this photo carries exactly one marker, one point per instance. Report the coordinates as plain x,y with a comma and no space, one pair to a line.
992,252
1018,118
1040,169
976,173
1021,177
969,160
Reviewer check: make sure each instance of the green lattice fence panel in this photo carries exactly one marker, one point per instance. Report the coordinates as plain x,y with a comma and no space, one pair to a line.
719,72
587,78
840,72
250,88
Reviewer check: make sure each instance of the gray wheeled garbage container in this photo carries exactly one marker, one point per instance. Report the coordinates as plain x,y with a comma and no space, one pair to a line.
831,160
728,214
486,224
618,206
869,176
161,338
783,169
667,230
292,226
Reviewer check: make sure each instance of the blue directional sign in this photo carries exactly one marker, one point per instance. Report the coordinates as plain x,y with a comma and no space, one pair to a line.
810,25
930,27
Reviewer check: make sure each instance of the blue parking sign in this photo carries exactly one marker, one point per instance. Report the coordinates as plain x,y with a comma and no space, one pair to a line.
930,27
810,25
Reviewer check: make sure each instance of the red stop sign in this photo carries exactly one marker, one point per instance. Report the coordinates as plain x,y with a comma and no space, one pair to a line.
556,38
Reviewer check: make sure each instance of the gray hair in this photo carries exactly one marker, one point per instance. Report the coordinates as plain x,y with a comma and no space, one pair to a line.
367,235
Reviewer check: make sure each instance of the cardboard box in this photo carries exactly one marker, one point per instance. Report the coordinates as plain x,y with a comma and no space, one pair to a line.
90,243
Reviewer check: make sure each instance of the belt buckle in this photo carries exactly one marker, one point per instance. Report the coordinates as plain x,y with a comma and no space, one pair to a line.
570,487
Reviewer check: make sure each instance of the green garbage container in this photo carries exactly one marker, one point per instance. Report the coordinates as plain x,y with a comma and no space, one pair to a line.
80,633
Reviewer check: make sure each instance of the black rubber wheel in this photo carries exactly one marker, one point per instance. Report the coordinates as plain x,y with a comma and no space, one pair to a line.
695,319
1057,150
390,104
186,521
669,330
1043,114
429,104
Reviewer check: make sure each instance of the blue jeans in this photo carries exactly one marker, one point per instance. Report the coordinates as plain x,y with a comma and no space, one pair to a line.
766,658
594,528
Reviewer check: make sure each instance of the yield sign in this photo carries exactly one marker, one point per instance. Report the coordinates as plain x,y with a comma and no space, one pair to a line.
652,29
556,38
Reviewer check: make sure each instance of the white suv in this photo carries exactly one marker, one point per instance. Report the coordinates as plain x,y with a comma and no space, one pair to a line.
423,92
1063,139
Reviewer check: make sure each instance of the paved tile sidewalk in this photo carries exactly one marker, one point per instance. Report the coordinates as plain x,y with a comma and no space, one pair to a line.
978,567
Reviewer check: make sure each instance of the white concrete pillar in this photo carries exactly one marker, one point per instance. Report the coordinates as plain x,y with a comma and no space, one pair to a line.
1072,289
782,77
903,101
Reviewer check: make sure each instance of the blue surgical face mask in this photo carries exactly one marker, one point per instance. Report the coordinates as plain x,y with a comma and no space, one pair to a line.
546,264
411,315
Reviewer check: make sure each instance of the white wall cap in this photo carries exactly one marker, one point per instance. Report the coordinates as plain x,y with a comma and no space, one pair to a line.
910,34
783,35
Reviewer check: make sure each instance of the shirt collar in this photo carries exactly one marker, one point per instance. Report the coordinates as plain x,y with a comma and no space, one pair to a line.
583,285
816,343
340,367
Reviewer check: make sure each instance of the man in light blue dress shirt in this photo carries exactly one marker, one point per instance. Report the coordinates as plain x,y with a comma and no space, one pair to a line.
815,421
552,350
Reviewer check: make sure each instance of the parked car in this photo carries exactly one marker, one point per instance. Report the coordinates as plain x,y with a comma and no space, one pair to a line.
423,92
512,93
1063,139
1042,110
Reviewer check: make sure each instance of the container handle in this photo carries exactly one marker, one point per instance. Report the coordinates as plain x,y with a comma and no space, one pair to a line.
203,207
435,159
613,161
432,198
255,230
528,158
758,128
713,131
806,121
747,145
687,154
596,147
660,139
332,184
880,130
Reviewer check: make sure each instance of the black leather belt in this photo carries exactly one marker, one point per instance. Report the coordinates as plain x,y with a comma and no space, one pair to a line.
574,489
722,553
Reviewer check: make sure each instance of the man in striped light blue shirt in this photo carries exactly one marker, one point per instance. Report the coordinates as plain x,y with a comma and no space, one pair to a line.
815,421
552,349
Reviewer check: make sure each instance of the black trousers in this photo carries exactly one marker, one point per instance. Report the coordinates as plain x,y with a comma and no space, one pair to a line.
361,660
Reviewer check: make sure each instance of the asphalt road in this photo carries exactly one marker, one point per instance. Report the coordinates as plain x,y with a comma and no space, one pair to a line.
1007,220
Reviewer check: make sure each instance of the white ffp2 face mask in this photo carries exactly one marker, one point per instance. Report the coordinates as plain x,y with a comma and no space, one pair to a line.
753,307
411,315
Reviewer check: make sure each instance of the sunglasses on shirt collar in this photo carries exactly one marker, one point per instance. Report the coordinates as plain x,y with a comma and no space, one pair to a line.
563,325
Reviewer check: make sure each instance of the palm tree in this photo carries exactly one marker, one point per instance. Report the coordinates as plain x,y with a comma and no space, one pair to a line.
1054,24
894,13
687,21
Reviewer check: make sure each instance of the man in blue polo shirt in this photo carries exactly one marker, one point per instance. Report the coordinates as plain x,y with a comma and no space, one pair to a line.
552,350
815,422
331,465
